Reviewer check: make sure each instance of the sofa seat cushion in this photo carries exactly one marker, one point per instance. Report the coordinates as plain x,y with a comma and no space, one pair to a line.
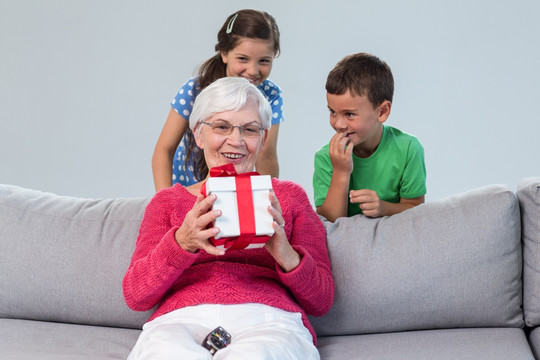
63,258
450,344
451,263
28,339
534,341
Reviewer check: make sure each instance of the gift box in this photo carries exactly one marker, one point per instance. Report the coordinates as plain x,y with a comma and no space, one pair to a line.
243,200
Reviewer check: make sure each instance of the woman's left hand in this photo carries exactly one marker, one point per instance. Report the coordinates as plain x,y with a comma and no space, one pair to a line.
278,245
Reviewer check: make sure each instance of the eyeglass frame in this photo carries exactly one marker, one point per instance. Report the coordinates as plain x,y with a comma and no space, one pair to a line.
240,128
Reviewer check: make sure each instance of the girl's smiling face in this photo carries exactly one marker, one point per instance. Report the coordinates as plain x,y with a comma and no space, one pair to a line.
251,59
239,150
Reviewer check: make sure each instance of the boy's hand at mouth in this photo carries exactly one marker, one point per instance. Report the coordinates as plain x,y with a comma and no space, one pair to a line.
340,150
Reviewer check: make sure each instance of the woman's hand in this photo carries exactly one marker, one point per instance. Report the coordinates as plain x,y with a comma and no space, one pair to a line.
194,235
278,245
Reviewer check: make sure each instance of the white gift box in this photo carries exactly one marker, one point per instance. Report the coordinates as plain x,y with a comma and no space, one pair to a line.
224,187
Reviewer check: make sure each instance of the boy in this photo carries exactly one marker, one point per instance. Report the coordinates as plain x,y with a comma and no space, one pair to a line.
367,167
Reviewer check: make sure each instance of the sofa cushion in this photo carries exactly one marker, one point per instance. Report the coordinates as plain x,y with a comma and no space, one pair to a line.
534,341
450,344
28,339
63,258
528,193
455,262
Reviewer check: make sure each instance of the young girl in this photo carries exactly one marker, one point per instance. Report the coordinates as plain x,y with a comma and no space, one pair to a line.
247,44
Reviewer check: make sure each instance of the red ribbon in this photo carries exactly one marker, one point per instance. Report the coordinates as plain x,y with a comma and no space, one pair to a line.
225,170
244,198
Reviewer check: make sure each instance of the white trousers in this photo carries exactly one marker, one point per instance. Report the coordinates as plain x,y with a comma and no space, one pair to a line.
257,332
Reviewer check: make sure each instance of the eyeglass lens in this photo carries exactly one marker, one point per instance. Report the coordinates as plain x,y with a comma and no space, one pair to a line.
221,127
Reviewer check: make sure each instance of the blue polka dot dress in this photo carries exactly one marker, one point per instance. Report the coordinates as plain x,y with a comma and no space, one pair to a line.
183,104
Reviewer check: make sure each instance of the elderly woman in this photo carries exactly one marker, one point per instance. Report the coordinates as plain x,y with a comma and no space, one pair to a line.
260,296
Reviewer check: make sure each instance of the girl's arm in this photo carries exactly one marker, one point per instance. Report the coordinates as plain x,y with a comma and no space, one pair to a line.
267,160
162,159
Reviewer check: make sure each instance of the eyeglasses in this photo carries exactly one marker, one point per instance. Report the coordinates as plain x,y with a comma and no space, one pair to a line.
222,127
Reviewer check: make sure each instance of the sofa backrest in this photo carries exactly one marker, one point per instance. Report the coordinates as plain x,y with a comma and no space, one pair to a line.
528,193
63,259
450,263
455,262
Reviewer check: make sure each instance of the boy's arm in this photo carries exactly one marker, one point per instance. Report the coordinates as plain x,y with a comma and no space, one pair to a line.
336,202
405,204
389,209
373,206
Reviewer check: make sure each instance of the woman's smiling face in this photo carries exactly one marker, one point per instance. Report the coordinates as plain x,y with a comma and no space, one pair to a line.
235,148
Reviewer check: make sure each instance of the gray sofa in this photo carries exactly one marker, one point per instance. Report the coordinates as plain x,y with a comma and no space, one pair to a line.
457,278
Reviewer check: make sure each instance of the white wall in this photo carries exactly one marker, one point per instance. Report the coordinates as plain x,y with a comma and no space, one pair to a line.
85,84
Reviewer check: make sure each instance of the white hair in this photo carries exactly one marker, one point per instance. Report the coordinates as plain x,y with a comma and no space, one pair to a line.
228,94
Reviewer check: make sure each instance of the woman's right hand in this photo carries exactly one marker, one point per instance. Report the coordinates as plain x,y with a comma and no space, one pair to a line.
194,235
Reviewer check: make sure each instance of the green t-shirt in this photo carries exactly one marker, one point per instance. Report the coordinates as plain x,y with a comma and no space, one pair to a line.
395,170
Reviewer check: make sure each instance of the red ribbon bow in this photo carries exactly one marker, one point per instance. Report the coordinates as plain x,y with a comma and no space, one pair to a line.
244,198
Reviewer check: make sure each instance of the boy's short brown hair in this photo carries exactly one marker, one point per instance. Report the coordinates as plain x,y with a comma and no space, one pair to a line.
362,74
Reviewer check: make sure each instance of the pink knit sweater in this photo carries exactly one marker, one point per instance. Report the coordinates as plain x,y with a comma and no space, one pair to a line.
161,272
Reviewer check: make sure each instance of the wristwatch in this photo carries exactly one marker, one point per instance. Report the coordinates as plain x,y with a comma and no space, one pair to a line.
217,339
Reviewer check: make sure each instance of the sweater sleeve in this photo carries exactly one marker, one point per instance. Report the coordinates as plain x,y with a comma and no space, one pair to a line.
158,260
311,282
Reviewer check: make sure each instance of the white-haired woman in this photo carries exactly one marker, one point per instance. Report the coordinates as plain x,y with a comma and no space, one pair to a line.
262,296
